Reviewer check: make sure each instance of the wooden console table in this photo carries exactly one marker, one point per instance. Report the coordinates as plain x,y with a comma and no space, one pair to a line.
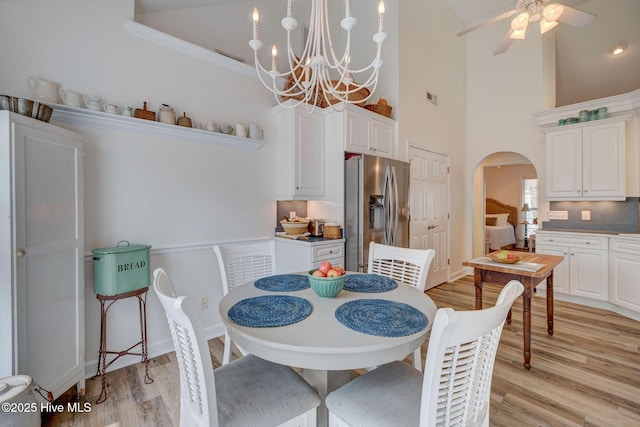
502,273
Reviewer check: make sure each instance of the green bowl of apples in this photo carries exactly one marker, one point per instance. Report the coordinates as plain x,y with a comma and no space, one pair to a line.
326,287
505,257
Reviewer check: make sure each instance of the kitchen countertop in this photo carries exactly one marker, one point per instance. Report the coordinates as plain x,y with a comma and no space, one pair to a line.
603,232
311,239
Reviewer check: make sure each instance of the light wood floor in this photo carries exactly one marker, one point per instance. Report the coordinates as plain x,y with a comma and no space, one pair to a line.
586,374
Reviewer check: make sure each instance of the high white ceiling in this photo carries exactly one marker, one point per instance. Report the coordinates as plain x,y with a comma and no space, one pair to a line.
584,68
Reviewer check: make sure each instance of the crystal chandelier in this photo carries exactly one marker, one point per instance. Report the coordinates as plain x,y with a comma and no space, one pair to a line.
318,77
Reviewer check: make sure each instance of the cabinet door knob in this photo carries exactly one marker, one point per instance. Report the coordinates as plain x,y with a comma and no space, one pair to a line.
21,253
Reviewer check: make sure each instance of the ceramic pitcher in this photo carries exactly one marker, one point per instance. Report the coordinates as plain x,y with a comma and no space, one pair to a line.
43,89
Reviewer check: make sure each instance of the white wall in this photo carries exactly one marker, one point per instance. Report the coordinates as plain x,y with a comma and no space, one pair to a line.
179,196
503,93
432,58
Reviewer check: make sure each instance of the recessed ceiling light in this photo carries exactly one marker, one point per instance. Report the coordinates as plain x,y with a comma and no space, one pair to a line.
618,50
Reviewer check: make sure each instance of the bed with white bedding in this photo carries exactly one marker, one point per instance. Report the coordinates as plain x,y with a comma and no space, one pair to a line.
500,224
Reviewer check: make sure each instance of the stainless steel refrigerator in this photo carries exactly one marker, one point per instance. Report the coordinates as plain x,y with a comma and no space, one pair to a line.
376,206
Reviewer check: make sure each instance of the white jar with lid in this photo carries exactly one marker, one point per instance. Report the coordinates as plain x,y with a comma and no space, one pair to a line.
166,115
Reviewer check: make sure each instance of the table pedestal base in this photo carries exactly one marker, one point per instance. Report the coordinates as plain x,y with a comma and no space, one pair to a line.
324,382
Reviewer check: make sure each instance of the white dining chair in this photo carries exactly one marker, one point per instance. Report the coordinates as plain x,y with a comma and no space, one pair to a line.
246,392
241,263
455,388
404,265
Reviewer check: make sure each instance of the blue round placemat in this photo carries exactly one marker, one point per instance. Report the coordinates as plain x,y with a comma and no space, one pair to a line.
282,283
369,283
382,318
270,310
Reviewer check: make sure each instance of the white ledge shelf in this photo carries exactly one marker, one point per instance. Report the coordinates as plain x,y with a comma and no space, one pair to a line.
188,48
82,116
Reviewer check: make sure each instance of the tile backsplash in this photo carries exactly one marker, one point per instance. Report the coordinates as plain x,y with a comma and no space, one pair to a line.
605,216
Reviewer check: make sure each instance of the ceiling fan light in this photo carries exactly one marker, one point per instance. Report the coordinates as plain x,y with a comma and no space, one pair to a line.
547,25
520,22
552,12
518,34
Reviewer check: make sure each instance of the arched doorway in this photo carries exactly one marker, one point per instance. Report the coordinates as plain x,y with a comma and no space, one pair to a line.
510,179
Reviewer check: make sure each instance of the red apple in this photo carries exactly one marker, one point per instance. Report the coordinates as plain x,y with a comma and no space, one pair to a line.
325,266
333,272
511,256
340,269
319,273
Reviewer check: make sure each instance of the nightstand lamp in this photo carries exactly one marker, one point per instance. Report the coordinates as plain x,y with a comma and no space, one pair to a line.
524,210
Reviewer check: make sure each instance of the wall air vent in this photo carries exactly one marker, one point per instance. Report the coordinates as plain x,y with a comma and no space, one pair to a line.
432,98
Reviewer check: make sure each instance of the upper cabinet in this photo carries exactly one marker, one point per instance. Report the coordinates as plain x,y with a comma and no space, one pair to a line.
586,161
300,158
593,160
363,131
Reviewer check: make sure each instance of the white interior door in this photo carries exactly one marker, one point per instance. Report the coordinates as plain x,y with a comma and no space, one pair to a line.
429,208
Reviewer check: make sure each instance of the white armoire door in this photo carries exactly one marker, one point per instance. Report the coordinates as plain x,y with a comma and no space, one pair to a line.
47,248
429,209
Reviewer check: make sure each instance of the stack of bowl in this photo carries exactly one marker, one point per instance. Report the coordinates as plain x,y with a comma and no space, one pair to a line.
295,227
26,107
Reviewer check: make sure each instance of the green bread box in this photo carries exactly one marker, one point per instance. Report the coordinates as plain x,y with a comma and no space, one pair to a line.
120,269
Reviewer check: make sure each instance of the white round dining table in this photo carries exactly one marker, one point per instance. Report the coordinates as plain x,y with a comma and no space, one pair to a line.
322,346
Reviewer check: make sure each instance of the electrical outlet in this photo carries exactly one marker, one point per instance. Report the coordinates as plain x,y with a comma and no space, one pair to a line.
586,215
204,303
563,215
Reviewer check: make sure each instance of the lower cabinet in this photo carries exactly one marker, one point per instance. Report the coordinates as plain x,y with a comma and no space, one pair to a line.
301,255
624,264
585,269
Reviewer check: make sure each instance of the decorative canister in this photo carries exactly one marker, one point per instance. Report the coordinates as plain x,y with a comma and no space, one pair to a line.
603,113
120,269
562,122
572,120
166,115
593,115
583,116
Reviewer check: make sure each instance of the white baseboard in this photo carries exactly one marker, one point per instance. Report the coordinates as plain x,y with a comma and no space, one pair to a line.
541,291
464,271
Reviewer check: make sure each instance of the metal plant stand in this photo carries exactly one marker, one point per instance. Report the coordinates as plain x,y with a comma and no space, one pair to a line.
105,303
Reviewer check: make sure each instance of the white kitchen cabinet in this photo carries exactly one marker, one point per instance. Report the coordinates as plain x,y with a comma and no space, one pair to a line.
364,131
41,253
624,272
586,161
300,154
301,255
585,269
561,271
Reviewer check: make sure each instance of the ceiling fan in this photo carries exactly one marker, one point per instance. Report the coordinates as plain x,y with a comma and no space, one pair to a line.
532,11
